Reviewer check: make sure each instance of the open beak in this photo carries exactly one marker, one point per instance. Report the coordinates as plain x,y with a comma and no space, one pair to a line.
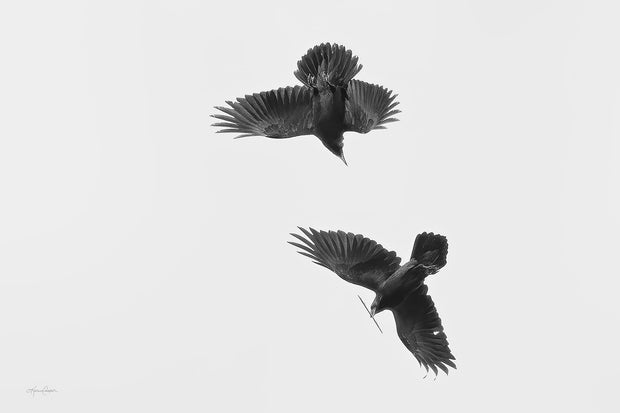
344,160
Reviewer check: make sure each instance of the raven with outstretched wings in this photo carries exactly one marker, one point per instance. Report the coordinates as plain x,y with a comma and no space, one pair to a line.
399,288
329,103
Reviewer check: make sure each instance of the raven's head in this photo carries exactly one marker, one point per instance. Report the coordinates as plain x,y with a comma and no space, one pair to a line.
377,305
336,147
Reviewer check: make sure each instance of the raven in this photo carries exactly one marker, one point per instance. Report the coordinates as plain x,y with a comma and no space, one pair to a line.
328,104
399,288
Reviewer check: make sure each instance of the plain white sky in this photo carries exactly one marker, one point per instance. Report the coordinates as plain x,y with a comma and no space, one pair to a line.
143,258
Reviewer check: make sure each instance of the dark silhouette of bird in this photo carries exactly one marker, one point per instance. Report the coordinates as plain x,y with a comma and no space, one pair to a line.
399,288
329,103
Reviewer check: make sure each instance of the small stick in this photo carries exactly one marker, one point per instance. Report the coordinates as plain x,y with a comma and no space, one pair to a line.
370,314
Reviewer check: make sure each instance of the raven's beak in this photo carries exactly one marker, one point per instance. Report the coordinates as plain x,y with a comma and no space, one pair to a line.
343,160
372,312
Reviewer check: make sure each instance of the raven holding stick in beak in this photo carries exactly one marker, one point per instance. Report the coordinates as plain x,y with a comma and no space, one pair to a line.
398,288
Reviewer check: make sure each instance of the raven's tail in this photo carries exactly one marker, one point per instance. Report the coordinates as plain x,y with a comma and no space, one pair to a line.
430,250
329,62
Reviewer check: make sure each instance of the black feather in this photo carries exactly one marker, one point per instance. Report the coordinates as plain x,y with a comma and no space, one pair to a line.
362,261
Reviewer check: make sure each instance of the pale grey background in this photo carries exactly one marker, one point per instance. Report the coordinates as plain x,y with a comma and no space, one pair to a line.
144,264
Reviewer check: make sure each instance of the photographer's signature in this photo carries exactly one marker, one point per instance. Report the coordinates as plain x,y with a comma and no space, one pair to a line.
43,390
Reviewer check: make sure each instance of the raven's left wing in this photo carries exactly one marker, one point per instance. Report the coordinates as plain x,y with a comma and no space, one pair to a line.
368,107
354,258
281,113
419,328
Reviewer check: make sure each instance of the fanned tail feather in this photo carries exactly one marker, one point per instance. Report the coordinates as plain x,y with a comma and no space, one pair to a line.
430,249
340,63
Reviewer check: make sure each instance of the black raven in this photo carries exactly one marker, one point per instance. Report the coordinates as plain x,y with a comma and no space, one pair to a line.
327,105
399,288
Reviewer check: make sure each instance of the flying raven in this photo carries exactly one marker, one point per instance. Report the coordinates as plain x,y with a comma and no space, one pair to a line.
399,288
328,104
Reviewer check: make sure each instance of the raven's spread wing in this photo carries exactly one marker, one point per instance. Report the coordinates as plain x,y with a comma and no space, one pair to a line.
354,258
419,327
368,107
281,113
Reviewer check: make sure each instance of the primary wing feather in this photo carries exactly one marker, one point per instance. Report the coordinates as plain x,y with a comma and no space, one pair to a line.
354,258
419,328
281,113
368,107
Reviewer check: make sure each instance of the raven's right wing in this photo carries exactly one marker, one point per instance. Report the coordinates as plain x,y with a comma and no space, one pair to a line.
281,113
354,258
419,328
368,107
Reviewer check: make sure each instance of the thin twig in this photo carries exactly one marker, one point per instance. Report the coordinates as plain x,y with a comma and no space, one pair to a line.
370,314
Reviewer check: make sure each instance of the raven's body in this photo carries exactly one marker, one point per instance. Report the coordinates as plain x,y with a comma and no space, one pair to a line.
328,110
400,289
398,286
328,104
